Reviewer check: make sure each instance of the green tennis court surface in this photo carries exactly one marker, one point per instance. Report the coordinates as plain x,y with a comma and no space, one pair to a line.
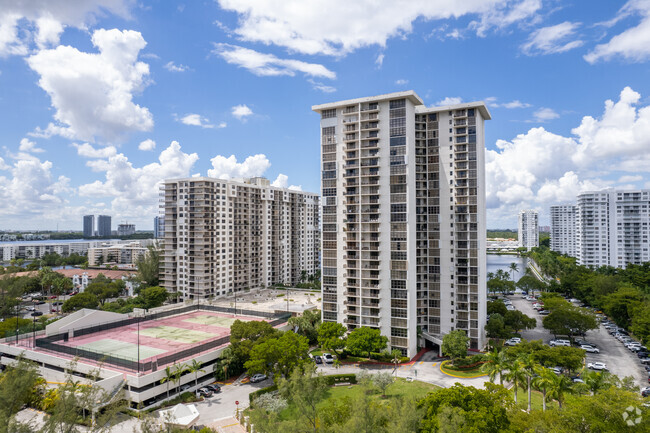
223,322
121,349
176,334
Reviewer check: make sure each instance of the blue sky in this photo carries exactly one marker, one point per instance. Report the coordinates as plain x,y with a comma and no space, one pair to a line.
101,99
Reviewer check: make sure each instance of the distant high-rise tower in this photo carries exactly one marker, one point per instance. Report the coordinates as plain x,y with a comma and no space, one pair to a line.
103,225
159,227
528,229
89,226
125,229
403,193
563,229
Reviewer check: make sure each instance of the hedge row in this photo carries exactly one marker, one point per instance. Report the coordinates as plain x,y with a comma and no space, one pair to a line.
253,395
340,378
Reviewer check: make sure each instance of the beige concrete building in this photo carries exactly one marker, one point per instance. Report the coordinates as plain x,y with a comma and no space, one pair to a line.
403,189
228,235
119,254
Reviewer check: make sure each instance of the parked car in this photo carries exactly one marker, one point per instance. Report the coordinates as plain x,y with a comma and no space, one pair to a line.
329,359
645,361
590,349
597,366
203,392
556,370
510,308
513,341
554,343
185,388
645,392
642,354
318,359
37,313
258,378
214,388
30,308
544,312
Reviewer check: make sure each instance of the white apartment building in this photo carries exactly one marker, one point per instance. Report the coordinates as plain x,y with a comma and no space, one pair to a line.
120,254
38,249
613,227
563,229
403,190
224,236
528,229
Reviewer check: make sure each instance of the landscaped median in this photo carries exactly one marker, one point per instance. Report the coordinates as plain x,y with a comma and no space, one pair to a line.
465,372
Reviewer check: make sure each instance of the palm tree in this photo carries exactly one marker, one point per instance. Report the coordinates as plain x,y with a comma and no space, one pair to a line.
496,364
529,365
515,373
195,368
169,377
596,380
561,385
543,381
513,268
178,373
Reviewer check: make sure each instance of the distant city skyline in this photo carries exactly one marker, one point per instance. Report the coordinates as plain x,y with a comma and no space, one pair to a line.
101,102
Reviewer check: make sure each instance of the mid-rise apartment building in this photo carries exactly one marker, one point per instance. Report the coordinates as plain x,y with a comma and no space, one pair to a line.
403,208
528,229
104,225
125,229
563,229
89,226
613,227
224,236
119,254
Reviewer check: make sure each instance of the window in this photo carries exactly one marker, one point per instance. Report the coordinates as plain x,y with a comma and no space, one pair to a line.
397,103
327,114
398,141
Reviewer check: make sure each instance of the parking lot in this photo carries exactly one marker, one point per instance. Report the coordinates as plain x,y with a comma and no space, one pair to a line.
618,358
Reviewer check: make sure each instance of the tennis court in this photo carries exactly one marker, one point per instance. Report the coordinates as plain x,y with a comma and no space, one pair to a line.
180,335
122,349
210,320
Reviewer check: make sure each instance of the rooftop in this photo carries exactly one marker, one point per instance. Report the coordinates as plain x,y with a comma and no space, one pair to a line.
409,94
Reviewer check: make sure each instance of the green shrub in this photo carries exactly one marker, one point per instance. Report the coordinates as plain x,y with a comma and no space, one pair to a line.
253,395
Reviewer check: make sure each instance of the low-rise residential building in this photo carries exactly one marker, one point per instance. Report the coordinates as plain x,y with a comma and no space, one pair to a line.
118,254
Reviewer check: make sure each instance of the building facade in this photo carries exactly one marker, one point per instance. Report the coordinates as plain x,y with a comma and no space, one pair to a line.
89,226
104,225
403,208
563,229
528,229
224,236
613,227
117,254
125,229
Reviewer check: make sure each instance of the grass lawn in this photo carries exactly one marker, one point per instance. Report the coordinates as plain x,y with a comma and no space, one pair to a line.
474,372
536,399
400,388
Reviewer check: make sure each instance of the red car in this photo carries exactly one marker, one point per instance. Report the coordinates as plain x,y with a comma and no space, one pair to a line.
53,297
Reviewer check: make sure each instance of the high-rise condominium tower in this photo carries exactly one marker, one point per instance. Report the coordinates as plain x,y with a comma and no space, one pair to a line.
528,229
563,229
158,227
403,195
103,225
229,235
613,227
89,226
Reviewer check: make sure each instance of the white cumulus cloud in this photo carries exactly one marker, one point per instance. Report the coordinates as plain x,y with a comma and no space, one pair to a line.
266,65
282,181
88,151
147,144
241,111
553,39
449,100
194,119
92,93
227,168
544,114
173,67
29,147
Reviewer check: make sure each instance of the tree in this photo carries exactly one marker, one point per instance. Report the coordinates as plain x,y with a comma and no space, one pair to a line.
513,268
79,301
383,381
305,390
149,266
496,307
169,377
559,388
529,284
496,362
620,305
479,410
454,345
17,385
529,365
153,297
331,336
195,367
596,381
568,320
516,320
544,380
366,340
280,355
103,291
179,370
307,324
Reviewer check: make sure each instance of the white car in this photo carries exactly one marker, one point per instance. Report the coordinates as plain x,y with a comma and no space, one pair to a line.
597,366
258,378
513,341
590,349
554,343
510,308
328,358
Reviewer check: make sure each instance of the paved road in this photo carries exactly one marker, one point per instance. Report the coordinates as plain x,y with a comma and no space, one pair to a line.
619,360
